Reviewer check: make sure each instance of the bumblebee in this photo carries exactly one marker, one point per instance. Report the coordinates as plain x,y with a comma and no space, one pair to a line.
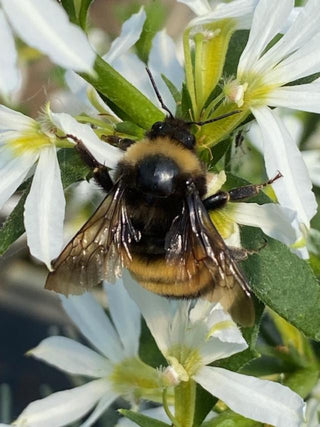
154,221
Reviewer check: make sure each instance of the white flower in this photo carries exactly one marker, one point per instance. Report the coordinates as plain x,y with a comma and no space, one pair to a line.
266,73
23,143
274,220
114,367
130,34
44,25
191,338
209,11
162,60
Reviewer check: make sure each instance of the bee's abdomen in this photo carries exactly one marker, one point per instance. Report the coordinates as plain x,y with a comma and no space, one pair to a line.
157,275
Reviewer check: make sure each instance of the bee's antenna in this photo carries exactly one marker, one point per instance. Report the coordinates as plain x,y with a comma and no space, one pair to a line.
158,93
223,116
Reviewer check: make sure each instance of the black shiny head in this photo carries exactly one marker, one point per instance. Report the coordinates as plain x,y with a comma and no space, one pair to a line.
157,175
173,128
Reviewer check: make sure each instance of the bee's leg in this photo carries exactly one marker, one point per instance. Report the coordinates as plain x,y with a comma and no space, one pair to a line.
241,254
236,194
122,143
100,171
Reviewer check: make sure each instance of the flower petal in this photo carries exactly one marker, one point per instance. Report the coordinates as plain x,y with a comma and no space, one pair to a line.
44,24
94,324
274,220
63,407
260,400
72,357
294,189
11,120
302,97
223,337
134,70
199,7
156,310
102,405
163,60
275,13
304,62
44,208
13,173
103,152
239,10
130,33
305,25
125,316
312,161
10,78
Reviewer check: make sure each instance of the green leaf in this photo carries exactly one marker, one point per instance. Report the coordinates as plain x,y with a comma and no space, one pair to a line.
237,44
124,95
130,128
148,349
142,420
283,281
156,15
72,170
303,381
230,419
83,12
68,6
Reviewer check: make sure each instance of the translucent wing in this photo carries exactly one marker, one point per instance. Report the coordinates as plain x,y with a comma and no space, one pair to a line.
98,251
203,260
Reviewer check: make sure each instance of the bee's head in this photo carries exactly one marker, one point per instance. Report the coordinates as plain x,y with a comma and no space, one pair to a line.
175,129
157,175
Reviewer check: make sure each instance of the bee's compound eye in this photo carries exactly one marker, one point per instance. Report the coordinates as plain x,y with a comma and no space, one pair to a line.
158,126
189,140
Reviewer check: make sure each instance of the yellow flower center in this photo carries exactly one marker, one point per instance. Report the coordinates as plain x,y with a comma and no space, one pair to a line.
32,140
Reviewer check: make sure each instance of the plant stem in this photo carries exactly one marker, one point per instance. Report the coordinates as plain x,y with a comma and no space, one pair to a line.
185,398
167,409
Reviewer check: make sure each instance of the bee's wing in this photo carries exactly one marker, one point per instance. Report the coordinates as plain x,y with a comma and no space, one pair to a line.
98,251
199,253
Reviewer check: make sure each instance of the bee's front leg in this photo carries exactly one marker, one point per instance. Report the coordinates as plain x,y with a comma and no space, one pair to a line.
100,171
236,194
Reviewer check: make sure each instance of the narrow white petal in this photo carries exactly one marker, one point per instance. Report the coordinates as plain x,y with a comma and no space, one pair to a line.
64,407
12,175
274,220
302,97
72,357
94,324
13,120
130,33
103,152
304,62
156,310
259,400
199,7
239,10
44,208
312,161
10,78
273,12
305,25
215,349
134,70
163,60
104,403
44,24
125,316
294,189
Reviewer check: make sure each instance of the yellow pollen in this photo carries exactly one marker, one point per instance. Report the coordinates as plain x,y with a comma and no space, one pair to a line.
28,141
